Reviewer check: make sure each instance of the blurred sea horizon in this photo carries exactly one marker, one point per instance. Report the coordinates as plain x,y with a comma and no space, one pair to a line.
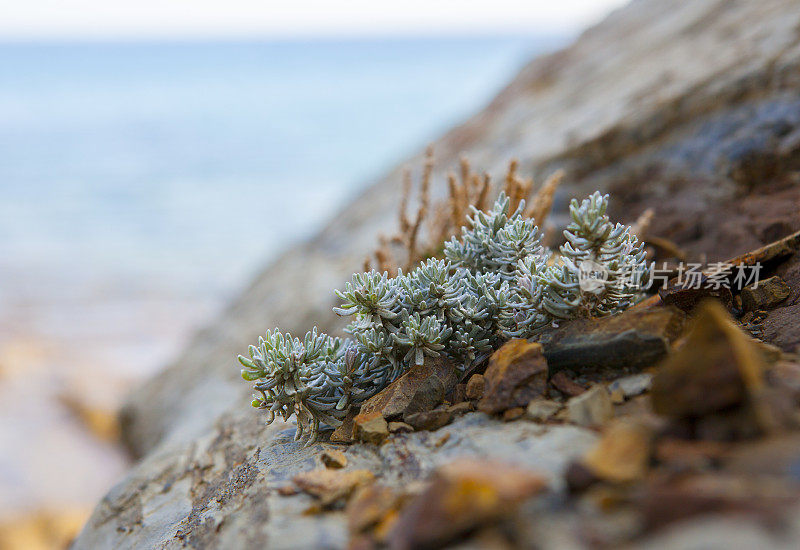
179,168
143,183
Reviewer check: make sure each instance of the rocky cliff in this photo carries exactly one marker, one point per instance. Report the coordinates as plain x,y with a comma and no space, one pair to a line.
691,107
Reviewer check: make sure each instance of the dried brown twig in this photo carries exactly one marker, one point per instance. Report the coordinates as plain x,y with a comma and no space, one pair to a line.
642,223
516,188
446,218
412,234
542,202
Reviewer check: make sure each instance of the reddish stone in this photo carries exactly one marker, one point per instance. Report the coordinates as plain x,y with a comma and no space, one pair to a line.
516,375
566,385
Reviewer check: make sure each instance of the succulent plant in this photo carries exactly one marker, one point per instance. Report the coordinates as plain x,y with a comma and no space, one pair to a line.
495,241
496,282
601,267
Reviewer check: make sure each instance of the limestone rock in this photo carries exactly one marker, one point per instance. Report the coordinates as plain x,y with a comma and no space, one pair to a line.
462,496
633,340
221,491
517,373
706,140
633,385
767,294
591,408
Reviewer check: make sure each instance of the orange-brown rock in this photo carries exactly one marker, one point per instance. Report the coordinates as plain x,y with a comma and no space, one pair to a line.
517,374
422,388
623,453
370,427
765,294
513,414
42,530
374,508
666,501
333,459
331,486
718,374
461,408
462,496
429,420
344,433
288,490
685,455
475,387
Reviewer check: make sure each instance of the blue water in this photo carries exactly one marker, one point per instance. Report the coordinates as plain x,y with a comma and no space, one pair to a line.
189,164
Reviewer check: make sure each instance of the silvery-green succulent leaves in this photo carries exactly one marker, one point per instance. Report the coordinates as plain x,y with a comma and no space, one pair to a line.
496,282
595,250
421,336
495,241
370,295
528,314
292,377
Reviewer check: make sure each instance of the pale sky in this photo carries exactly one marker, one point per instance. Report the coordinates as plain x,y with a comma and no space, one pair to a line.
87,19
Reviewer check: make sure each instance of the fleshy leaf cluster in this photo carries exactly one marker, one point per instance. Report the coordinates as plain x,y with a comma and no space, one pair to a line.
497,281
